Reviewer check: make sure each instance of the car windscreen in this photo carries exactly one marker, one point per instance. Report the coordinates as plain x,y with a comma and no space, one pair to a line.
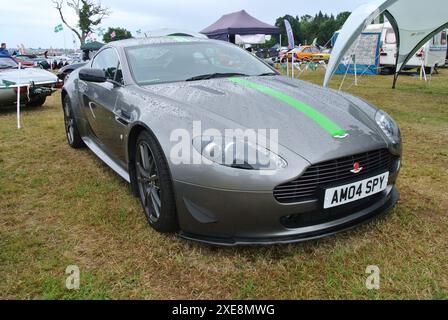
6,63
174,62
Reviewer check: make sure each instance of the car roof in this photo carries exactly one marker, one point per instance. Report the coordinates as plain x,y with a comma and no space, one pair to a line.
155,40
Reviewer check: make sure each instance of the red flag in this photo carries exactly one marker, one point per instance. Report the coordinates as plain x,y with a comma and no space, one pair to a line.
113,34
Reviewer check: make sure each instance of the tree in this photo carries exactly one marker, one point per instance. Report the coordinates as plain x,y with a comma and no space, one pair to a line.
120,34
89,13
295,25
341,18
307,28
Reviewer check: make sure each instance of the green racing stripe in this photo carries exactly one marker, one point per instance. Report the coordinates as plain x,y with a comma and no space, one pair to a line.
331,127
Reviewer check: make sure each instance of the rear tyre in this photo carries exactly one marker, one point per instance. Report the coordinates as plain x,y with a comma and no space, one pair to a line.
37,102
155,185
71,128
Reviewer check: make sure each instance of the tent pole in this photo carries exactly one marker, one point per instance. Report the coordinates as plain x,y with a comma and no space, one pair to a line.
345,76
18,95
395,80
292,66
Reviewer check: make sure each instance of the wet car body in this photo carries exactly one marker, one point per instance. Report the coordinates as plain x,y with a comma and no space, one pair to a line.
227,205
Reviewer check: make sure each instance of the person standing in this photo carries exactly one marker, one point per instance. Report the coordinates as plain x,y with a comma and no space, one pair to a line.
3,51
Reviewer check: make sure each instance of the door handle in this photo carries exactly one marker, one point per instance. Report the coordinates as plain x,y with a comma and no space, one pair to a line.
123,117
92,106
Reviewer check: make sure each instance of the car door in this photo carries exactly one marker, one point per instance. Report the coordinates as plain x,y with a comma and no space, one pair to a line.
100,100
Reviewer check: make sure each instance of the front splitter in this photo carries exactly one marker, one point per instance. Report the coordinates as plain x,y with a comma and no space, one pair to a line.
355,222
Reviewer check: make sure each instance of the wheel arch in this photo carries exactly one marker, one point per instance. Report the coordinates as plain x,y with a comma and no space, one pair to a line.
133,135
132,139
64,94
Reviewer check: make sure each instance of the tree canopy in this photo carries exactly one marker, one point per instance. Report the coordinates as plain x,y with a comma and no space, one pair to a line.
307,28
120,34
90,14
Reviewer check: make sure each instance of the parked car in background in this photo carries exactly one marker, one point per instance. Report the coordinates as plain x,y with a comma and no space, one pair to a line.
267,53
38,62
306,53
24,61
42,63
324,55
35,84
65,72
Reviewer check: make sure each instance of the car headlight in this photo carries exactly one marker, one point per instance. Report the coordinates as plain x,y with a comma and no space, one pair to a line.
238,154
389,126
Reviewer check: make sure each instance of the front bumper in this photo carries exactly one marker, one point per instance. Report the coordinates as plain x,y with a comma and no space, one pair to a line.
232,218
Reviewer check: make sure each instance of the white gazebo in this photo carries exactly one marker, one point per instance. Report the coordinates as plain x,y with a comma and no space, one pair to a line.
415,22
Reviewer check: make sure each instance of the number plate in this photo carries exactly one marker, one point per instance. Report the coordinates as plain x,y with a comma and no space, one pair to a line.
339,196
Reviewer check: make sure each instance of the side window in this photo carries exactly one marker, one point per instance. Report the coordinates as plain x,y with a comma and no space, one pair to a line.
108,61
391,37
434,40
444,39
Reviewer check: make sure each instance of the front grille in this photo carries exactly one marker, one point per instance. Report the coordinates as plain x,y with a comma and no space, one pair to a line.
319,176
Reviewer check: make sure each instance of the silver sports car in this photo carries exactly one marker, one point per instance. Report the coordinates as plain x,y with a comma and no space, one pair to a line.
222,149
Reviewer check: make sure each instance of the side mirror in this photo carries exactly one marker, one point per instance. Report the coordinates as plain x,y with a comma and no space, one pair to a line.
92,75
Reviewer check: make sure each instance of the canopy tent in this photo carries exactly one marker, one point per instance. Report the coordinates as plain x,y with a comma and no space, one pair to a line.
238,23
415,22
92,46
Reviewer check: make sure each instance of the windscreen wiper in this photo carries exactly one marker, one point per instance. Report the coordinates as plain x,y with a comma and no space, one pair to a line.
268,74
216,75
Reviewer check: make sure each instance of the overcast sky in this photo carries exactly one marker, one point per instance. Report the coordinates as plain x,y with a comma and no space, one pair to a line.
32,22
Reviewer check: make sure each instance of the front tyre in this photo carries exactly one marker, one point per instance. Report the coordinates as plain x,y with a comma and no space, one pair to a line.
71,128
155,185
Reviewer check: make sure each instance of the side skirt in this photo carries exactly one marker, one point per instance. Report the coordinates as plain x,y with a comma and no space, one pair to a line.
106,159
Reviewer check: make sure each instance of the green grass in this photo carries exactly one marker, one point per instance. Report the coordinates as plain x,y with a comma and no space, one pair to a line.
61,207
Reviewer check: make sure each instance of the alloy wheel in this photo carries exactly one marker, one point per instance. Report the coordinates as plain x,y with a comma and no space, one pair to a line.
148,182
69,123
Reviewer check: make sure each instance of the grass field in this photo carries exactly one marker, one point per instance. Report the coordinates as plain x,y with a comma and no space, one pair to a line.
61,207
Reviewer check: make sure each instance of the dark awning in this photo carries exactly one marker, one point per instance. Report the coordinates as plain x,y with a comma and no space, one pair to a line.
238,23
92,46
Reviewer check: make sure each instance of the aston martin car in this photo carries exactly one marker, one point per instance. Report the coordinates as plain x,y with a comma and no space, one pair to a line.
222,149
35,84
